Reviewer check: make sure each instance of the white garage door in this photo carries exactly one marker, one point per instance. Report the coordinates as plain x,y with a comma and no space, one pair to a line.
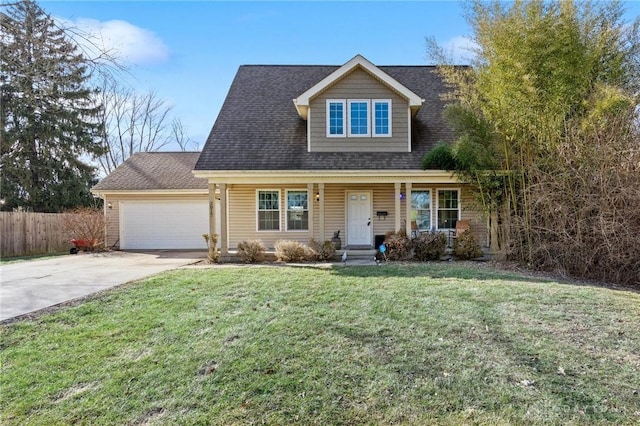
163,225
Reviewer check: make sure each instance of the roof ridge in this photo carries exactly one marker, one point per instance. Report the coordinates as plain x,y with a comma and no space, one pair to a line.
338,66
168,152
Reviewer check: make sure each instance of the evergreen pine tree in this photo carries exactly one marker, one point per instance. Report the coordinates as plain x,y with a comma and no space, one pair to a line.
48,115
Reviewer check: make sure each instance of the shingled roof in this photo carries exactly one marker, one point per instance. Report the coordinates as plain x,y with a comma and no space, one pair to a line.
258,127
154,171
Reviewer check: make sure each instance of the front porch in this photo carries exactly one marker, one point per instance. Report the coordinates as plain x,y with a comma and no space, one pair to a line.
362,210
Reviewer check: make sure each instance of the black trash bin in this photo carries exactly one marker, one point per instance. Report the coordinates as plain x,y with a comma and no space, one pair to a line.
378,239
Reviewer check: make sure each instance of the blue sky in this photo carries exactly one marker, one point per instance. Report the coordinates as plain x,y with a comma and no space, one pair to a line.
189,52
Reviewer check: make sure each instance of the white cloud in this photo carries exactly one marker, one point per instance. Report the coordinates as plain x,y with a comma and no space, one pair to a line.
461,49
125,41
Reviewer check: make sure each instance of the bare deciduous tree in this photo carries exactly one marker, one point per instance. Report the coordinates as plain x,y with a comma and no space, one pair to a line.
181,138
133,123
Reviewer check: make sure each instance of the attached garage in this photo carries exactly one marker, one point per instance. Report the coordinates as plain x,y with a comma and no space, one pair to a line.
152,201
163,224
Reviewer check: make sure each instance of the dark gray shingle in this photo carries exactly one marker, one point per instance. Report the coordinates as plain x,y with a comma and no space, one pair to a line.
258,127
154,170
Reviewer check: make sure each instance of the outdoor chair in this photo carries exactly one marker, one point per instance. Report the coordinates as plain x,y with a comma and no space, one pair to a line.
461,226
414,229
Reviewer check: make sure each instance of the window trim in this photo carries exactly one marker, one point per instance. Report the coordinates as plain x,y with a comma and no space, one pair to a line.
258,191
346,118
368,103
286,208
343,102
373,118
437,207
429,190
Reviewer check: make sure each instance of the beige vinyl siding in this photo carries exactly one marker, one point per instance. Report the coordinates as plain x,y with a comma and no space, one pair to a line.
469,209
112,215
112,219
242,213
335,210
334,215
316,217
473,213
359,85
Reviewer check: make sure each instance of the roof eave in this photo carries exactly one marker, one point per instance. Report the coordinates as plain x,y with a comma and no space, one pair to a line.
302,101
186,191
327,176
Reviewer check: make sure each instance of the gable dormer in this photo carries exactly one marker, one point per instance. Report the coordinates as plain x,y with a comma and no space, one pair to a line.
358,108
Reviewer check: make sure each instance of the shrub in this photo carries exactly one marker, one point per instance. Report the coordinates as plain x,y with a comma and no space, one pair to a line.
398,245
466,246
439,158
324,251
429,246
251,251
213,255
293,251
85,224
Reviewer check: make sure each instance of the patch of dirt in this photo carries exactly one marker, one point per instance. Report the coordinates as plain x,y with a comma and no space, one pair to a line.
74,391
556,276
151,417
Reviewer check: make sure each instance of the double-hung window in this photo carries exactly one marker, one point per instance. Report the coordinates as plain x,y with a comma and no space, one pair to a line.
268,210
448,208
297,210
421,209
359,117
381,117
336,117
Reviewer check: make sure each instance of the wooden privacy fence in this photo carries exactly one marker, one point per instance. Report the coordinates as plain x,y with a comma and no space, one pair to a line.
24,234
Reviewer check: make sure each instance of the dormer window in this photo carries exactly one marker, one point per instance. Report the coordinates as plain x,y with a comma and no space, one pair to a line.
361,117
335,118
382,117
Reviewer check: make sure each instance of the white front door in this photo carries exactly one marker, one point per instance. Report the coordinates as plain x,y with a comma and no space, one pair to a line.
359,218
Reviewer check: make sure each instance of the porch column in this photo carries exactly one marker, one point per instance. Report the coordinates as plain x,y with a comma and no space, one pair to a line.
224,243
310,201
321,212
407,204
212,209
397,187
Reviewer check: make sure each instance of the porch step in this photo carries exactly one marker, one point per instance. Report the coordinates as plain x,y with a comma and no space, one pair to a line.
357,253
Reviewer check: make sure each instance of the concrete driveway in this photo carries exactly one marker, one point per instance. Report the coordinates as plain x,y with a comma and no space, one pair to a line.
32,285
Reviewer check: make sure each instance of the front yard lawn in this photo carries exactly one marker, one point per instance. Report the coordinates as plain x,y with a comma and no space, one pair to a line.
395,344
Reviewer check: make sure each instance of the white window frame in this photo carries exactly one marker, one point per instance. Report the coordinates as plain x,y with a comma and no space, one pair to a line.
437,206
353,101
415,190
286,208
373,117
345,122
258,191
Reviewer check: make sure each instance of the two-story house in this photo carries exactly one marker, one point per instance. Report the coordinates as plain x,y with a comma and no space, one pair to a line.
300,152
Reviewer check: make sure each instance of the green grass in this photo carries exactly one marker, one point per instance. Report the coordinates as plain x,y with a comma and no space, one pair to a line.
5,260
418,344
